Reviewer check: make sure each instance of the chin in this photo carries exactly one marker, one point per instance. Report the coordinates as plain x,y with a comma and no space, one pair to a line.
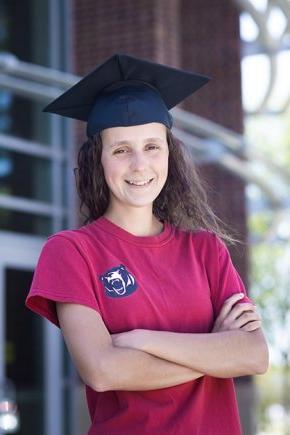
141,204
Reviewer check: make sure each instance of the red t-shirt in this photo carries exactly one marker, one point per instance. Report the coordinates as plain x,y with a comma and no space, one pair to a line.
174,281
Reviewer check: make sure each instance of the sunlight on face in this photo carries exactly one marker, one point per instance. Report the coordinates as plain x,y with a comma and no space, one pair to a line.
135,163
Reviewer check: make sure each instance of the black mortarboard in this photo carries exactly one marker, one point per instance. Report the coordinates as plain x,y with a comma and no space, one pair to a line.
125,91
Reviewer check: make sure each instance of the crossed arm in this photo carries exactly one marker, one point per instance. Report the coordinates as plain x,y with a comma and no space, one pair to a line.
148,360
104,366
235,347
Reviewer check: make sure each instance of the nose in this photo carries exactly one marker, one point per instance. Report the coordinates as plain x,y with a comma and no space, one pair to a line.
138,161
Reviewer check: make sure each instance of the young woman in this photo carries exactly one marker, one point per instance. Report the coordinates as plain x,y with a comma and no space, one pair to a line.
154,315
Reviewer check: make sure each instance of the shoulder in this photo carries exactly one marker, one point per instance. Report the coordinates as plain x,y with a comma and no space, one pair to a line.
200,237
203,243
68,240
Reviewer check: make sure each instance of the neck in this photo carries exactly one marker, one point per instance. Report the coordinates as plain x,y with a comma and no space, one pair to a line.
137,221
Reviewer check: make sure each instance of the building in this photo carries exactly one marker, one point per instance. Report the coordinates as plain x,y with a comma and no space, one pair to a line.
37,155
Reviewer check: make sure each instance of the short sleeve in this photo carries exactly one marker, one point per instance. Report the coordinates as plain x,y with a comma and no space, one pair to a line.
62,274
225,280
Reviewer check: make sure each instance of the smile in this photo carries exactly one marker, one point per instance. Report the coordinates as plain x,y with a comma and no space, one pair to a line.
139,183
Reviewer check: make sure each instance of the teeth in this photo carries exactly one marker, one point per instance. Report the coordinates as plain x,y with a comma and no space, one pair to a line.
139,183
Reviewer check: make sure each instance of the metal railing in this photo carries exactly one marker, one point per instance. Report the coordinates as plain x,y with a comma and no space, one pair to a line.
208,141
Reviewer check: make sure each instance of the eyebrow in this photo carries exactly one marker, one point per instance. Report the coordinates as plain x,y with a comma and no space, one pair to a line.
126,142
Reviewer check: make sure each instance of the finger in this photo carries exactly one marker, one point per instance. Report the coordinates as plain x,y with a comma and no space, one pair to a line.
245,318
252,326
239,309
228,304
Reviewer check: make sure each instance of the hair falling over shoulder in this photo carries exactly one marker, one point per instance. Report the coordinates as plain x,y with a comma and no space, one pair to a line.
182,202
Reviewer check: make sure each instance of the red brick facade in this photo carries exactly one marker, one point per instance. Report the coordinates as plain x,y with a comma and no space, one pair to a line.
210,44
199,35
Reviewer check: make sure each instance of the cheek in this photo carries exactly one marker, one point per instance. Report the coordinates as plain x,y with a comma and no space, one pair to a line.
107,165
163,166
112,170
105,168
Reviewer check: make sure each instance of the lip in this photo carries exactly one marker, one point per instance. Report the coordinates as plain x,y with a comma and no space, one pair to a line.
136,186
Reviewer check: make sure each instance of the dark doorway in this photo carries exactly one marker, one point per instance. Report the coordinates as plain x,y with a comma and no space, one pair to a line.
24,352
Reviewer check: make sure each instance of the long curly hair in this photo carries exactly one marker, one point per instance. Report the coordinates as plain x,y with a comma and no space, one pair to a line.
182,202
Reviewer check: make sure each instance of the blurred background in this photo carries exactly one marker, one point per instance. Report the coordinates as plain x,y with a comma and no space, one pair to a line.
237,129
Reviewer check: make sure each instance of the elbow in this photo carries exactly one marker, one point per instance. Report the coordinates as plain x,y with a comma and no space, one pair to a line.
257,353
101,386
97,381
261,360
262,365
100,378
100,383
104,378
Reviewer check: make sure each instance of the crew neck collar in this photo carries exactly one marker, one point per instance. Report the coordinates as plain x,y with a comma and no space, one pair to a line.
157,240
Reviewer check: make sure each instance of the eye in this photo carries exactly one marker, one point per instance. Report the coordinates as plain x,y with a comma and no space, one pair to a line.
153,146
120,151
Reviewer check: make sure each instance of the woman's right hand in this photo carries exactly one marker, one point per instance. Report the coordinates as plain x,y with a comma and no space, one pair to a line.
235,315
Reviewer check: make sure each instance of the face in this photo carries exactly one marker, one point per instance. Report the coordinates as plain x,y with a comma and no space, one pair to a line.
135,163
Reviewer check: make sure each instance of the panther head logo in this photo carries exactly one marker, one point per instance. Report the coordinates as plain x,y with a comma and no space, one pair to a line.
118,282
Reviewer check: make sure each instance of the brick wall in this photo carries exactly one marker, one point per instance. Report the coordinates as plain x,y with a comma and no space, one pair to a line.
143,28
200,35
210,44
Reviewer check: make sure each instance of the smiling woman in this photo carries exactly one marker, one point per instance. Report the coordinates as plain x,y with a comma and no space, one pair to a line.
182,200
152,311
135,172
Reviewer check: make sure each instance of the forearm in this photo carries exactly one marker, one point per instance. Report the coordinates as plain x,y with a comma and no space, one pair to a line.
131,369
223,354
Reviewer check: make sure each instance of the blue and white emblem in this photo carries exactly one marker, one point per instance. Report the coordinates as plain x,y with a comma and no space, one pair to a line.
118,282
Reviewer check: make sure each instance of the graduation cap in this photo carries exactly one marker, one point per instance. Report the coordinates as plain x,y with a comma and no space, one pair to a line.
125,91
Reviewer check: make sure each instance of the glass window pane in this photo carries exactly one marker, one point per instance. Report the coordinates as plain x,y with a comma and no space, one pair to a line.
25,222
25,176
24,343
24,33
23,117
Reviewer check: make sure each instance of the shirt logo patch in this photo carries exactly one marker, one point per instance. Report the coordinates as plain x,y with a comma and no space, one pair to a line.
118,282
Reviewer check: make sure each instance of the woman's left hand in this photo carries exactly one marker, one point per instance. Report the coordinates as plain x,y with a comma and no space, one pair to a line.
235,315
133,339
